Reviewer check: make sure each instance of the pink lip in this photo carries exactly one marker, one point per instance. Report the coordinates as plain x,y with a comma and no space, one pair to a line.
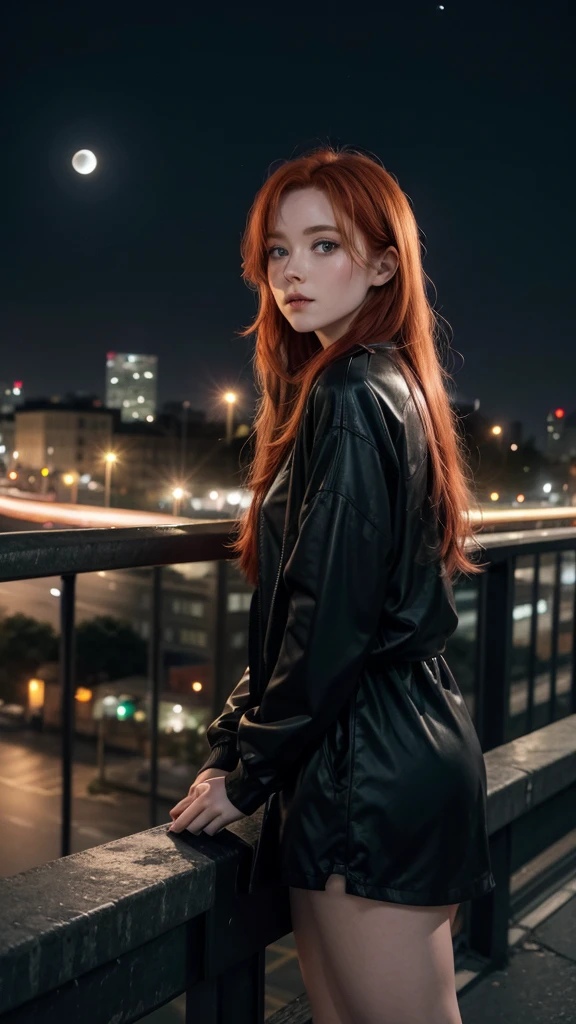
297,303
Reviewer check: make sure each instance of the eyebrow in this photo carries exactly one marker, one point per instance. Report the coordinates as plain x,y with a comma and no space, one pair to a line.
307,231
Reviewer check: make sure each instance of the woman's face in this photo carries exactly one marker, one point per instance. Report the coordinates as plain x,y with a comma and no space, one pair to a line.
305,254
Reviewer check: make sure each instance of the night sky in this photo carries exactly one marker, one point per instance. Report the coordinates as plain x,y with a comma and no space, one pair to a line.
471,108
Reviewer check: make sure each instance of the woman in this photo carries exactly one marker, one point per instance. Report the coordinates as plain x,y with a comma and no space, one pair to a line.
347,723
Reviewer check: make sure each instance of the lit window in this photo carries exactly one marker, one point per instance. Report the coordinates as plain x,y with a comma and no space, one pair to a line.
239,602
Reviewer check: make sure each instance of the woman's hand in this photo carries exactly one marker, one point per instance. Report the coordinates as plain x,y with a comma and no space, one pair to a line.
206,808
208,773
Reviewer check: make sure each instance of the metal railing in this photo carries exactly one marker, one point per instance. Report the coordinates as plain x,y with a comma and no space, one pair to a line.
34,554
530,577
117,931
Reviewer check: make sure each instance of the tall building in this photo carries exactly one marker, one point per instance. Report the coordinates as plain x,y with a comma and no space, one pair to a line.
131,386
61,436
560,433
11,396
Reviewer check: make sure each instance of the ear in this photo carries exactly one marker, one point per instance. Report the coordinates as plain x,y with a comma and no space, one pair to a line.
385,266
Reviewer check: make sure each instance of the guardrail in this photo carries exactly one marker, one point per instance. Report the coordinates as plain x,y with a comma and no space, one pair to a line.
114,932
33,554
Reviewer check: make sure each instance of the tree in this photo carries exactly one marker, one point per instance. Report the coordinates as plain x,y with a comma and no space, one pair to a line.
107,649
25,643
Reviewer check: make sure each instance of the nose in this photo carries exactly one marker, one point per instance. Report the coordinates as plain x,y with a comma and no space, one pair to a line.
291,273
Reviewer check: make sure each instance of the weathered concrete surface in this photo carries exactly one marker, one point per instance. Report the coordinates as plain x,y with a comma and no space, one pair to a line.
73,914
530,770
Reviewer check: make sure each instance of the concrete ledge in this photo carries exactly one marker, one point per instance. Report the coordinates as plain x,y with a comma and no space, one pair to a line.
76,913
530,770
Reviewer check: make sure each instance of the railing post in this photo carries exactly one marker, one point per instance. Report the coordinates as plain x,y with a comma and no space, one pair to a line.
67,686
496,606
573,678
531,673
231,991
154,673
237,996
554,634
489,915
221,677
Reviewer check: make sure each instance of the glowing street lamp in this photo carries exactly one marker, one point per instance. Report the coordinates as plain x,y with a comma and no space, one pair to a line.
177,494
230,398
110,460
71,481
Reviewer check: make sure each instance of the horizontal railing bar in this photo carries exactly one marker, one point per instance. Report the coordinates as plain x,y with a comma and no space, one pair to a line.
526,542
529,770
32,554
35,553
69,916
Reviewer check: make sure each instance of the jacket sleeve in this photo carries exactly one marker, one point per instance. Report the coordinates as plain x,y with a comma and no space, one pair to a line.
336,577
222,732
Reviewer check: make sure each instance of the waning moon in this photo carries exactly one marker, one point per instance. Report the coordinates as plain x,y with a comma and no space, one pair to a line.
84,161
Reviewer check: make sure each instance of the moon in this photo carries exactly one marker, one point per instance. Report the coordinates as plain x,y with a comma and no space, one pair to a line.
84,161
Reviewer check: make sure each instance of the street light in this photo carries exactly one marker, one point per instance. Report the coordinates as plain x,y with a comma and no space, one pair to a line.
185,407
110,459
230,398
177,494
498,433
71,480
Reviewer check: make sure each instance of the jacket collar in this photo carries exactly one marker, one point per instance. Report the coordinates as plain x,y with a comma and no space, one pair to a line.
371,347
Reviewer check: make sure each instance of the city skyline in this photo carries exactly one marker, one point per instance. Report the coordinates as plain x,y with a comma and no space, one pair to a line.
143,255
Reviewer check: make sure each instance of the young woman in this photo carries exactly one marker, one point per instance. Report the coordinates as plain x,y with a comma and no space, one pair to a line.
348,724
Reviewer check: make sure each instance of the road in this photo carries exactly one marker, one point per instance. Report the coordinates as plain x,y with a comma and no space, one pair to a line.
30,802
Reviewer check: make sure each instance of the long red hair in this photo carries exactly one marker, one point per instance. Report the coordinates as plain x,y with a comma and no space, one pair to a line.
287,362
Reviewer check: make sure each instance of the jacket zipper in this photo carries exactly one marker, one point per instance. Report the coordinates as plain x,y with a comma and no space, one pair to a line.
257,852
274,591
279,567
284,533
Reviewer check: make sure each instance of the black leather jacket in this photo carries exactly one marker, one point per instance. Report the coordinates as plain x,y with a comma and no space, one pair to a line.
350,595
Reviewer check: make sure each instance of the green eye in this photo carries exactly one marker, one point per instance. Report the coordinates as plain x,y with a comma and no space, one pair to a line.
321,241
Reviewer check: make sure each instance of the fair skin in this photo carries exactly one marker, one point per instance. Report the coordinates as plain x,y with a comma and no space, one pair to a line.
363,961
316,264
205,808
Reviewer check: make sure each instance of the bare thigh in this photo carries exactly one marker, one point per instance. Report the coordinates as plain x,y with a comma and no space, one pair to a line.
324,998
383,963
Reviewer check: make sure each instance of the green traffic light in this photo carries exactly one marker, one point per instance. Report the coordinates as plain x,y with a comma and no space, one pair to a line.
126,709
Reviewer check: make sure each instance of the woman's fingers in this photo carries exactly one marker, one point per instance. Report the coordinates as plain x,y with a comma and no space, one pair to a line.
196,813
198,822
216,825
180,806
176,810
209,773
